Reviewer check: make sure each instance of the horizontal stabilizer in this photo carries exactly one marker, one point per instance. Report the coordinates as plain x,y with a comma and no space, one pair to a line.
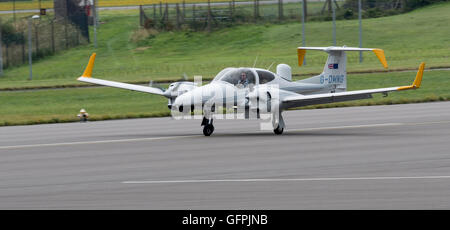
301,51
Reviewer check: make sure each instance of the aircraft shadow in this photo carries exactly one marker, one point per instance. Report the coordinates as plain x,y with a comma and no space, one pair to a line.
301,133
218,134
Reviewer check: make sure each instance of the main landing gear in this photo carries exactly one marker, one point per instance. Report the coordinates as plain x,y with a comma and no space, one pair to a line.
278,122
208,127
278,130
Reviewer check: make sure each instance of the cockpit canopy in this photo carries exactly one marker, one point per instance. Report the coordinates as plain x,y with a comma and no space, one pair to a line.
243,77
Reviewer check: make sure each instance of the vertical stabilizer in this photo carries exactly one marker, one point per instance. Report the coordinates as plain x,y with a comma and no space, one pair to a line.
334,74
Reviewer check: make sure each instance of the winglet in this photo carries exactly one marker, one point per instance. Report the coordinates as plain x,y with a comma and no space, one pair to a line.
381,57
417,81
90,66
419,75
301,56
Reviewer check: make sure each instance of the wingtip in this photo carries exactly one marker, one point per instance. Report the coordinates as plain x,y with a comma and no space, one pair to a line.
419,76
418,80
90,66
301,56
380,55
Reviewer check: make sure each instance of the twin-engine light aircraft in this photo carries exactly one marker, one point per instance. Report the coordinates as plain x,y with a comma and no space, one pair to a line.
258,91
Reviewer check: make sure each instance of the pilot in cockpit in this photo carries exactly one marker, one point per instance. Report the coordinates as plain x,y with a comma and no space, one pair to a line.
243,81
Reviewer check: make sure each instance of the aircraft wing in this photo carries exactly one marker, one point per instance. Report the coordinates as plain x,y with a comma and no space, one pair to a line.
121,85
304,100
87,77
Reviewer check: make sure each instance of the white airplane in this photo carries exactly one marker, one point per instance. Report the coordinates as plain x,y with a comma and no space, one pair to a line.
255,90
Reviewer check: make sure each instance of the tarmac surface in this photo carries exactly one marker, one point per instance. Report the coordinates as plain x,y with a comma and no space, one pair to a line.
373,157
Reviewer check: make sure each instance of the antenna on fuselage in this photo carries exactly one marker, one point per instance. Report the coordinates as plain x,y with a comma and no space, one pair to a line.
254,63
270,66
185,77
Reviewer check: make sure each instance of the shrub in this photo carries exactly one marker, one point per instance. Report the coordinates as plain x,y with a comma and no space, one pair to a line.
10,35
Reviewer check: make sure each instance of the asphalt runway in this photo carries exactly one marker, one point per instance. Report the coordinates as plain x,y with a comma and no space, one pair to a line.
373,157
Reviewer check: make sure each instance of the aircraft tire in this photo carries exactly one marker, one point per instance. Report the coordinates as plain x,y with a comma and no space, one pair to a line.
278,130
208,130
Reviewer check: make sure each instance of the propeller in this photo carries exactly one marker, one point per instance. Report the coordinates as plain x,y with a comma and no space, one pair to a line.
185,76
152,84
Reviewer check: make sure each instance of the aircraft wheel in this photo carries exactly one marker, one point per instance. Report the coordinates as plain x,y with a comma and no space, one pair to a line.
208,130
278,130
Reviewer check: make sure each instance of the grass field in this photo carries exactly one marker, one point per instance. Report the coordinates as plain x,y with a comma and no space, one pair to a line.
62,105
408,39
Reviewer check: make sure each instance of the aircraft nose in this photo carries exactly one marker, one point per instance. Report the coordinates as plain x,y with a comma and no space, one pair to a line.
196,97
182,101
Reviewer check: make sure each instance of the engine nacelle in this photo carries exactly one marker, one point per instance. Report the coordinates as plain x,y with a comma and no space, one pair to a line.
284,71
176,89
262,99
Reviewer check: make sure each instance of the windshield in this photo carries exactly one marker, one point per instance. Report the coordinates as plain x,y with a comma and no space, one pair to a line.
265,76
240,78
223,72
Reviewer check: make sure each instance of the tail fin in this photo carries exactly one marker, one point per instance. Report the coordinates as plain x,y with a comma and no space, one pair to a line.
334,74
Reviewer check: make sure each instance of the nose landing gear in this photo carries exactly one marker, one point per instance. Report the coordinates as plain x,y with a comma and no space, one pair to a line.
208,127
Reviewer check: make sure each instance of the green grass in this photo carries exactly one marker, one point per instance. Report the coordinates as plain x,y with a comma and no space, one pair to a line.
50,106
62,105
408,39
